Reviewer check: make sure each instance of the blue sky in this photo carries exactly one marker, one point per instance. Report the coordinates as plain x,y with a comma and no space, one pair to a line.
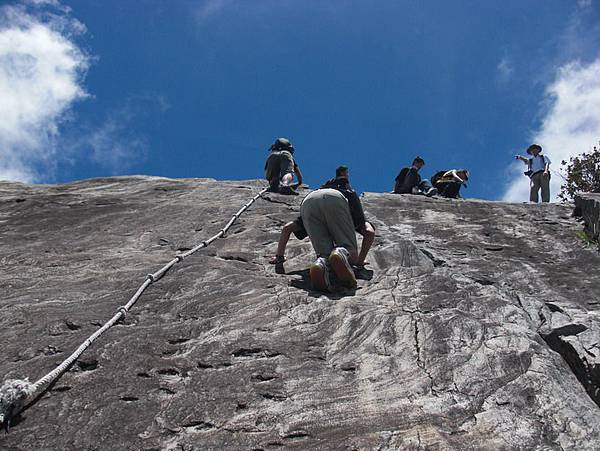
202,88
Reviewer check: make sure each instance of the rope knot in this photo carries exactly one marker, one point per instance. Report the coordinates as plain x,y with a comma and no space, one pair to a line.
151,278
13,396
123,310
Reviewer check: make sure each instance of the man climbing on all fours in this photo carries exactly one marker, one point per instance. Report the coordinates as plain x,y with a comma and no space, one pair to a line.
330,216
366,229
280,167
341,182
538,170
408,181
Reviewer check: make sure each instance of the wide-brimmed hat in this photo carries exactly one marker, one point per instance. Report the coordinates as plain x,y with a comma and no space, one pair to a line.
534,146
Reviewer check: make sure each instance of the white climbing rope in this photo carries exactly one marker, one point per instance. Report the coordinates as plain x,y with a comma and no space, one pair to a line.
15,393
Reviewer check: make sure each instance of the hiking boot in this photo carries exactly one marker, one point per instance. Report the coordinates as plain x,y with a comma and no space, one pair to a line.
319,275
288,190
338,259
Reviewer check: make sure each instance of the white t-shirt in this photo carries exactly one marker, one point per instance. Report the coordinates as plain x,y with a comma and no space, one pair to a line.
539,163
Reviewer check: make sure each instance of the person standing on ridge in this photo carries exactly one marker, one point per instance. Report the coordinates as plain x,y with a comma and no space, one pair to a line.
408,181
280,167
296,226
538,170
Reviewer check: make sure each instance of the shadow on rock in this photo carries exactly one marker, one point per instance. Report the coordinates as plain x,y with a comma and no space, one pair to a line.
304,283
364,274
279,269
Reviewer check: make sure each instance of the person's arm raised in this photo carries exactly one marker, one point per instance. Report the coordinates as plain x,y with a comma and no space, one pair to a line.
522,158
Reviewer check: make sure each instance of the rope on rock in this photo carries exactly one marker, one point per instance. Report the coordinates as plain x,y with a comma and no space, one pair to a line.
15,393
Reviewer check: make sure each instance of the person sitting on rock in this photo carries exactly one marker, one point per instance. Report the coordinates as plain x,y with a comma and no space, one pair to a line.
408,181
331,210
280,167
448,182
538,170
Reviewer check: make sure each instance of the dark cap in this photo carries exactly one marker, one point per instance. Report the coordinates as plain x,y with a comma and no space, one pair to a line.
282,144
534,146
340,170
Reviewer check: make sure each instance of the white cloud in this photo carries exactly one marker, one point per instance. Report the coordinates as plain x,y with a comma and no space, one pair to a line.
584,3
571,125
114,145
505,70
41,71
203,10
209,8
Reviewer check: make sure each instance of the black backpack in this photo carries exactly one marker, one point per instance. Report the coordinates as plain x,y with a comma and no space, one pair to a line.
437,176
400,179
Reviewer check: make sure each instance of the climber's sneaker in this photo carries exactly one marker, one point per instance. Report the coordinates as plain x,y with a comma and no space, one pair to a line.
319,275
338,259
431,192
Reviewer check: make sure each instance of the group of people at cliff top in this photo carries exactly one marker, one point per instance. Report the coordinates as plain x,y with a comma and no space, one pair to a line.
332,214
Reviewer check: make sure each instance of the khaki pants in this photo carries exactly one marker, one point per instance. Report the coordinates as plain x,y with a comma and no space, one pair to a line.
539,180
326,217
278,164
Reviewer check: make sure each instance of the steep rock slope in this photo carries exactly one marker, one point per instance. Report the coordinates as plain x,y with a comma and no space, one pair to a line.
475,327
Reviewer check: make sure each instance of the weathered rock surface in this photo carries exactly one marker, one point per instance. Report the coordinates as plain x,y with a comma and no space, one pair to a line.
588,207
477,328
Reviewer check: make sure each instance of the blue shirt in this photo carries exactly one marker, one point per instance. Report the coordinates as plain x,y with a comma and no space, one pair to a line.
538,163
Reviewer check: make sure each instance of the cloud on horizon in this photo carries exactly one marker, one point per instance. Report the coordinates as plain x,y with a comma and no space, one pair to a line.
41,75
571,125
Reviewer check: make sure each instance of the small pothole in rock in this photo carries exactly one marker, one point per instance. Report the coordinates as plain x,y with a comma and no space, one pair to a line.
169,372
87,365
62,388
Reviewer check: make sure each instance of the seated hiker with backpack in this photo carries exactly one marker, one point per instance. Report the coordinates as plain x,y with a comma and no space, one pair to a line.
538,170
408,181
448,182
280,168
331,210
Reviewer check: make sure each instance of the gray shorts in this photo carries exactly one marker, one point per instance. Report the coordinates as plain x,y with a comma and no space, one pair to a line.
278,164
326,217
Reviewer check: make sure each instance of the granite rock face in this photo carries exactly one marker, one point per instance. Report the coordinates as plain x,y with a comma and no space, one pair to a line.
476,325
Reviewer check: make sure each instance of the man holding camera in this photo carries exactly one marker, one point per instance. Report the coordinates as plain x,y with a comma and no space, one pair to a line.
538,170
